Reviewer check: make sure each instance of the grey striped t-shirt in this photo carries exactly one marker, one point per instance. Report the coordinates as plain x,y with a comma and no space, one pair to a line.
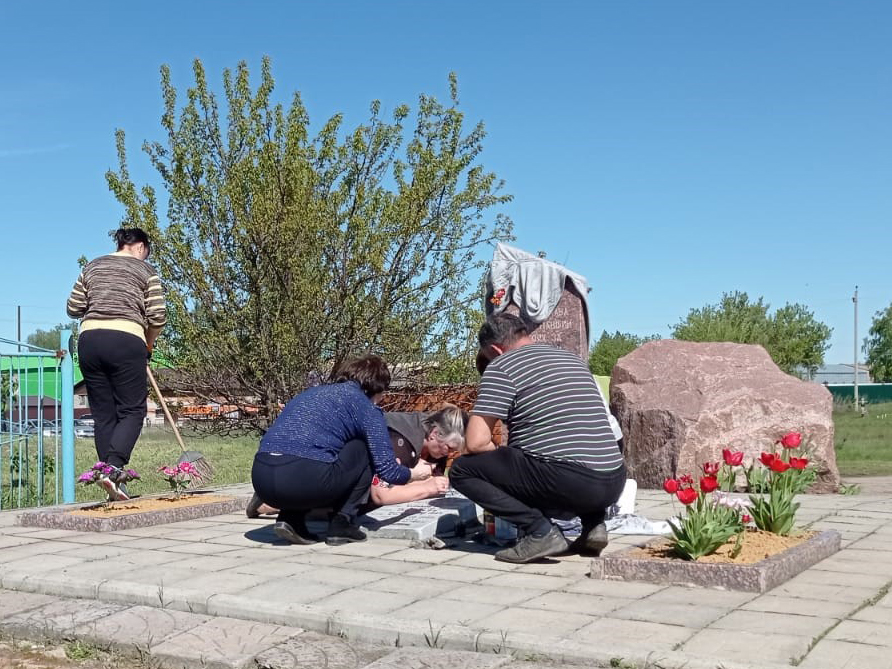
547,398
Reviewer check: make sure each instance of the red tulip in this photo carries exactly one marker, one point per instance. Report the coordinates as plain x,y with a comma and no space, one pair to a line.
670,486
687,496
711,468
686,480
746,518
798,463
732,458
709,483
767,458
778,465
790,440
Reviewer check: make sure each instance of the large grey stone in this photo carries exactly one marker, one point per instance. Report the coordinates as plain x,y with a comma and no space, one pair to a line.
421,520
680,403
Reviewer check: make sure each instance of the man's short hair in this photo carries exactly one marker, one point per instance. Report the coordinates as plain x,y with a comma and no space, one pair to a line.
504,329
369,371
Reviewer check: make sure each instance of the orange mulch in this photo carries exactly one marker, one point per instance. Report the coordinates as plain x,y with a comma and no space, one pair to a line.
757,545
144,504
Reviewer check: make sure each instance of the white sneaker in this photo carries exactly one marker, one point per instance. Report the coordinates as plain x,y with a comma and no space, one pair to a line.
115,494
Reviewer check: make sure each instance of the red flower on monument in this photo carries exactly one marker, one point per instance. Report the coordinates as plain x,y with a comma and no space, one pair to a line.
790,440
709,483
711,468
767,458
670,486
798,463
778,465
732,458
496,299
687,496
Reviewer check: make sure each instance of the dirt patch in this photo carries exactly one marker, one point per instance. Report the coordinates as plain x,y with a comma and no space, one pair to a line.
757,545
144,504
26,655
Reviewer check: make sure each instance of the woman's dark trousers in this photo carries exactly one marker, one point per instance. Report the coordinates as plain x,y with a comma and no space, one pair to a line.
295,485
114,367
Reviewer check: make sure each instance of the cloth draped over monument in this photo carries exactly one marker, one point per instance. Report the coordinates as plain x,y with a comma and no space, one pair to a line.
534,284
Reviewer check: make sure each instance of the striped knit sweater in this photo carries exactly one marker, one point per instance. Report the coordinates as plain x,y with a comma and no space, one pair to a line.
119,291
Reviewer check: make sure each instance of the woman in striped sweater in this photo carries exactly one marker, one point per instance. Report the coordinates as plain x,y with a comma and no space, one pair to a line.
120,300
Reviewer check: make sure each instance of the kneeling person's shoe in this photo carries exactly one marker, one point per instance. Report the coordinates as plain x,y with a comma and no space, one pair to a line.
342,531
296,534
591,542
531,548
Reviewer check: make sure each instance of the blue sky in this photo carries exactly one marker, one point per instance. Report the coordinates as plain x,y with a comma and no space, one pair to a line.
668,151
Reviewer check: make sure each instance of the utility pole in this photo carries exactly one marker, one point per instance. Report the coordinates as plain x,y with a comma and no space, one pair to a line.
855,300
18,321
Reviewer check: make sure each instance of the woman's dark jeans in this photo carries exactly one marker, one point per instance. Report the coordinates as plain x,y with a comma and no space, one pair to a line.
295,485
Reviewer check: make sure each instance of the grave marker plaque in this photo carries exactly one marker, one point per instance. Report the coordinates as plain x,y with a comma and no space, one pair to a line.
565,326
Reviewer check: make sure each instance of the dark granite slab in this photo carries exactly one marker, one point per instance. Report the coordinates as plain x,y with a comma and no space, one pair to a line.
58,517
756,577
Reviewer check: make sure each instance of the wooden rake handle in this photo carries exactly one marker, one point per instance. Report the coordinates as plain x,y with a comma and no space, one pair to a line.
173,423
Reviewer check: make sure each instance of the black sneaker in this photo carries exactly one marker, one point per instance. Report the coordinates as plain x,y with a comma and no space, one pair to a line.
296,534
591,542
341,531
531,548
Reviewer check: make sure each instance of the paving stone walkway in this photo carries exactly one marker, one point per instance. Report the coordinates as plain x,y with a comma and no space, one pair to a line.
223,591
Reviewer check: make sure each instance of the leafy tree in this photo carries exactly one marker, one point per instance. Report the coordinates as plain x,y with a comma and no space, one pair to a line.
611,347
284,253
50,339
792,336
796,340
878,346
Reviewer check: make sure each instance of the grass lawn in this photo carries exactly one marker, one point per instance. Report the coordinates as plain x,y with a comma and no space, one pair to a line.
864,445
231,458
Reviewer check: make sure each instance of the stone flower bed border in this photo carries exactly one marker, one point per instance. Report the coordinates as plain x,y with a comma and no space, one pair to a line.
56,517
757,577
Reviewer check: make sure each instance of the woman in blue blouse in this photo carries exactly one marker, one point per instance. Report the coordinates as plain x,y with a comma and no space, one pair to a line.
323,450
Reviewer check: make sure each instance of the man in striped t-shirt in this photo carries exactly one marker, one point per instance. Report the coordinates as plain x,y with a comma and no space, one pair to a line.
561,457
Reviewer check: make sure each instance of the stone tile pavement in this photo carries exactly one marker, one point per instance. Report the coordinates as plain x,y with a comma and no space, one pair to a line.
224,591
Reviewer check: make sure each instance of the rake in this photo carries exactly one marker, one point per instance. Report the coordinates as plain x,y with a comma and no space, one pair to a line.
196,458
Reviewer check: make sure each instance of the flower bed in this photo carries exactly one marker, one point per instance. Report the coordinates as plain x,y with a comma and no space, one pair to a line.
139,512
713,519
630,565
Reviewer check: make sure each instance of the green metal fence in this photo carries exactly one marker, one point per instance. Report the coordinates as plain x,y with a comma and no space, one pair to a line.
872,393
36,425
